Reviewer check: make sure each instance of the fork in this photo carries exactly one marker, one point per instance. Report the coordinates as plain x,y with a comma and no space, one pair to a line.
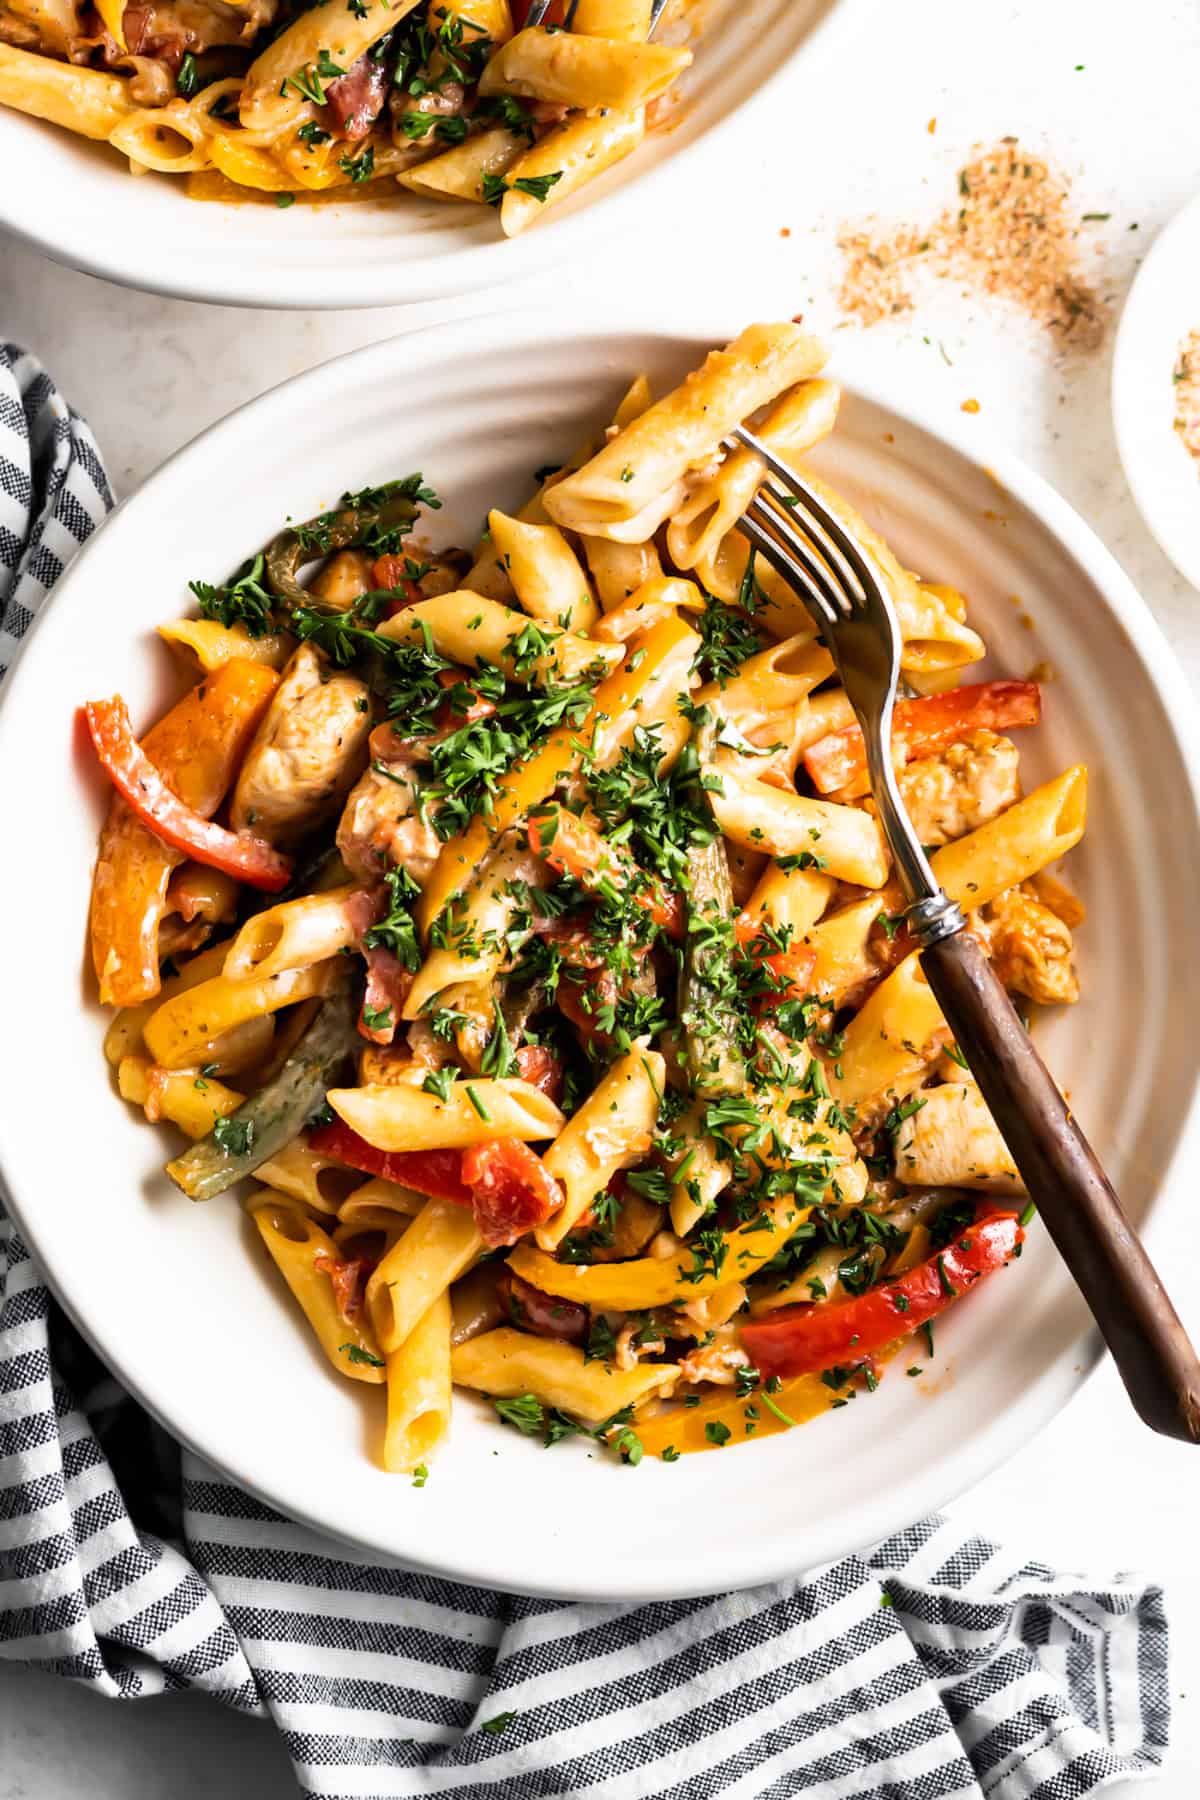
540,8
834,577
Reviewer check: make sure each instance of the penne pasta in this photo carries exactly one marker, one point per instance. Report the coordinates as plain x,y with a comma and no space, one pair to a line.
484,634
654,453
566,159
304,1256
418,1392
86,101
593,74
545,572
842,840
441,1244
184,1029
507,1363
408,1118
611,1131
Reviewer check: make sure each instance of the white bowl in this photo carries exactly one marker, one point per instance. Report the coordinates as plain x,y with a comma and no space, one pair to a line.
76,202
1162,308
177,1298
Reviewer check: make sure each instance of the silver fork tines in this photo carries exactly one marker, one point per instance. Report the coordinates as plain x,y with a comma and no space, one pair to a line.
831,574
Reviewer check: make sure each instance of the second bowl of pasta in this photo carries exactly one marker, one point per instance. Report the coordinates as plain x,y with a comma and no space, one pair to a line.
487,885
371,153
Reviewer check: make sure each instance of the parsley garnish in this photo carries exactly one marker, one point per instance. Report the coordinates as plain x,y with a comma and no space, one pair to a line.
356,1354
234,1136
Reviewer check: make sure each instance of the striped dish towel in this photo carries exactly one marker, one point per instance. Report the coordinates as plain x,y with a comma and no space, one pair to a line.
936,1664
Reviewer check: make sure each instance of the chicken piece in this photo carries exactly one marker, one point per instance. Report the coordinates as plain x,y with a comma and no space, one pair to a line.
381,827
1030,947
344,577
306,753
961,787
718,1361
953,1141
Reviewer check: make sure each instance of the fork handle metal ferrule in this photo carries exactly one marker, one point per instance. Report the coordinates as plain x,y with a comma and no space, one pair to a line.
935,917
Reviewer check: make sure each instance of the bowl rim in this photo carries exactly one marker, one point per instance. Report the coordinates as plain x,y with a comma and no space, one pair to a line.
747,1562
113,256
1128,396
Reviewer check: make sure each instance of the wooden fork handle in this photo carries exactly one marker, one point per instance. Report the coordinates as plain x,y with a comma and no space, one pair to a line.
1073,1195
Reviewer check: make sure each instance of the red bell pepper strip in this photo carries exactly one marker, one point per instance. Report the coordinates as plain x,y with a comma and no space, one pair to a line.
143,789
388,572
573,848
437,1173
919,727
802,1340
512,1190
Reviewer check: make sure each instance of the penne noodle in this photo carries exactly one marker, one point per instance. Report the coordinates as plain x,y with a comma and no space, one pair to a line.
418,1392
441,1244
407,1118
484,634
321,1182
315,41
191,1101
545,573
183,1030
627,20
612,1130
653,454
566,159
304,1254
459,173
507,1363
845,841
897,1032
294,935
589,73
86,101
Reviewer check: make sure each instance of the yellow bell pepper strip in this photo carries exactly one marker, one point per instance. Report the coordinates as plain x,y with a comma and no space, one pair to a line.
535,779
718,1258
143,789
197,749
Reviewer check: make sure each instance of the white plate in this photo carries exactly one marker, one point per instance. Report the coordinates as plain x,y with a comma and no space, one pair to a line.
179,1300
1162,308
76,201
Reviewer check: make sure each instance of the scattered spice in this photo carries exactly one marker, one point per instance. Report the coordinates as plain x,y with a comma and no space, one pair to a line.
1012,235
1186,377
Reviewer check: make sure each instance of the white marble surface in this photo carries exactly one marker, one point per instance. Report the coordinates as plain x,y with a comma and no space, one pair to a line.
1095,1492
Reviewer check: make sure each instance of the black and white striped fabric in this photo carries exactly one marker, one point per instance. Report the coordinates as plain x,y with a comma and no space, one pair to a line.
934,1665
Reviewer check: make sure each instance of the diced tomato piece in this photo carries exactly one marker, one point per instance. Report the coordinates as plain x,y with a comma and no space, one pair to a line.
919,727
541,1069
572,848
434,1172
512,1190
349,1278
802,1340
790,970
388,572
556,15
544,1314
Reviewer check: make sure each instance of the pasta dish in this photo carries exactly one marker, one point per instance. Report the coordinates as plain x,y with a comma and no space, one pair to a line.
452,99
520,920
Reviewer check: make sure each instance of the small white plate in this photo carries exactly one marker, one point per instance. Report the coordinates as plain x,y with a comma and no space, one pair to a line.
76,201
180,1300
1162,308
